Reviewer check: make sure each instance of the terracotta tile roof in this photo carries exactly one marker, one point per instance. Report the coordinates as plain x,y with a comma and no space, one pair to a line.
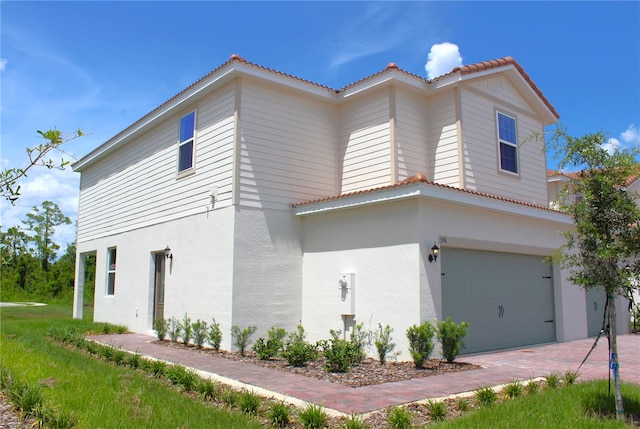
472,68
501,62
422,178
576,175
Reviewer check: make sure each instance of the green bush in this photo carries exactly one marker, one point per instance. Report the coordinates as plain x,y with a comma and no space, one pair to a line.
359,339
339,354
175,327
399,418
187,330
214,335
450,335
270,347
313,417
420,342
241,337
199,329
161,326
382,341
296,350
207,389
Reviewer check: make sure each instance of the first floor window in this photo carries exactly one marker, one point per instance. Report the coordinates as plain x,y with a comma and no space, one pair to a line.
507,143
186,141
111,271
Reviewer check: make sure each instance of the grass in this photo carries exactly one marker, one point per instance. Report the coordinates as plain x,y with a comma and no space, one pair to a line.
116,396
578,406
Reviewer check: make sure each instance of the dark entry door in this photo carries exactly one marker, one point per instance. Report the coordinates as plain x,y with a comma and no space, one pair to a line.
158,294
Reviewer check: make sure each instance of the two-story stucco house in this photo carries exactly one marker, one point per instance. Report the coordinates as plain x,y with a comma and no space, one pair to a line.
280,201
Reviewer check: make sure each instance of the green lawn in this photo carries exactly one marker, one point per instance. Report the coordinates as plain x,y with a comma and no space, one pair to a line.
98,393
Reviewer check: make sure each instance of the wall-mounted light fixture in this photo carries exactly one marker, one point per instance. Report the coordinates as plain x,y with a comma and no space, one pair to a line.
167,253
435,251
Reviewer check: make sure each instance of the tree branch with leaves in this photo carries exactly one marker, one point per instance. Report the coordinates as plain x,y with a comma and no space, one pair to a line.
38,156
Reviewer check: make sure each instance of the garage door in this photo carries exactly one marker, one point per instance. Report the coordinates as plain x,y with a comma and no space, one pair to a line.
506,298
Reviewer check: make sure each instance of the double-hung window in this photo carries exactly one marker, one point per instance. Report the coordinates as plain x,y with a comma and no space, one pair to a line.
111,271
186,142
507,143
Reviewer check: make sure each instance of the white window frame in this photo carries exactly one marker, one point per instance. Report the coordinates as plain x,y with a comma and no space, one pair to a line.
190,141
112,258
502,141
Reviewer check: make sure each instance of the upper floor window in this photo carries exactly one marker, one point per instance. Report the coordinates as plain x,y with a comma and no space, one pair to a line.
508,143
111,271
185,145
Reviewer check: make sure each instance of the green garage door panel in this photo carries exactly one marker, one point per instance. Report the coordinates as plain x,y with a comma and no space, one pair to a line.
506,298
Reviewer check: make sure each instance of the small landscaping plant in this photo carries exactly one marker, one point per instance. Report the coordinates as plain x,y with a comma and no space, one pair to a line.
248,402
241,337
486,395
28,399
313,417
359,339
437,410
175,327
199,329
160,326
420,343
450,335
570,377
513,389
552,380
462,404
272,345
532,388
214,335
338,353
296,350
187,330
354,422
279,414
399,418
207,389
382,341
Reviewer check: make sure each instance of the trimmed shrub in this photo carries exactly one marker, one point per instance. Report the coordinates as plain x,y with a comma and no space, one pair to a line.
199,328
187,330
161,326
241,337
296,350
382,341
450,335
420,342
266,349
214,335
175,327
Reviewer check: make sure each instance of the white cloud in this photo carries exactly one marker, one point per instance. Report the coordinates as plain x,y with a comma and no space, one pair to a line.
443,57
629,139
631,136
3,64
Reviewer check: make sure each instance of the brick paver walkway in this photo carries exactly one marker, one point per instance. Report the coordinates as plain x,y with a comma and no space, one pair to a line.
498,368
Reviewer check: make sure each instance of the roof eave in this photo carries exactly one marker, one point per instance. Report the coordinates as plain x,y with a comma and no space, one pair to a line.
433,192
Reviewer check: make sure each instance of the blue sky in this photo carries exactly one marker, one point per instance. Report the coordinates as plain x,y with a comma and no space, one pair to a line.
100,66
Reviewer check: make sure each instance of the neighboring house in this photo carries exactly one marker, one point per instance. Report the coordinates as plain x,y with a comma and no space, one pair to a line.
558,185
282,201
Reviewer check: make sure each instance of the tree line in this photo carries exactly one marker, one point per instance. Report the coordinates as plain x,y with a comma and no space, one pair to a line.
31,263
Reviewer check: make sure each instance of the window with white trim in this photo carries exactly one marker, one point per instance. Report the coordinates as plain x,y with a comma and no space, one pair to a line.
507,143
111,271
186,142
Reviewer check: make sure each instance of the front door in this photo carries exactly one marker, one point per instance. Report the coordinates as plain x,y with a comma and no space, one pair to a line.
158,294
